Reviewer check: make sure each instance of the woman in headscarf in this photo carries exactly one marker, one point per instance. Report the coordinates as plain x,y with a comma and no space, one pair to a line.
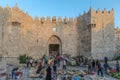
48,70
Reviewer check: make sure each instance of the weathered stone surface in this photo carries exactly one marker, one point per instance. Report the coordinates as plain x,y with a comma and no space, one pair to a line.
117,41
91,34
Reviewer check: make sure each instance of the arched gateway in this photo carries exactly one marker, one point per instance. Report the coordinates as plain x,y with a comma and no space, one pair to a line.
54,45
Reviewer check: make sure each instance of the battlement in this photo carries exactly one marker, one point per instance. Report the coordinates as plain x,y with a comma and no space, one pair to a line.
117,30
98,11
54,19
16,12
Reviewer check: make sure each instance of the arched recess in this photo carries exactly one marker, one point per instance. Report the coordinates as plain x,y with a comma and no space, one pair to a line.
54,45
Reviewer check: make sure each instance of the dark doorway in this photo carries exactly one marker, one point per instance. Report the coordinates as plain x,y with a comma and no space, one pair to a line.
53,48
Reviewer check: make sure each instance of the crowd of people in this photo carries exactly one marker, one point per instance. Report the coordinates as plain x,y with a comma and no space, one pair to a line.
49,63
53,61
96,66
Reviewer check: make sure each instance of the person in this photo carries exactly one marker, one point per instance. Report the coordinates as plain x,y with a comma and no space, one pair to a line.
96,64
54,71
14,73
64,64
27,62
58,59
36,62
117,66
50,61
55,61
99,69
77,61
31,62
48,70
105,59
106,66
62,56
46,59
52,54
39,68
43,62
93,65
89,68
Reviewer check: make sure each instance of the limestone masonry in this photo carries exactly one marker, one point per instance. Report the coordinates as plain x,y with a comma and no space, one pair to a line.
91,34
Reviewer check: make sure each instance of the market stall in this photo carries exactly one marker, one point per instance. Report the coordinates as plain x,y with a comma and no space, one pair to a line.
114,74
33,74
71,74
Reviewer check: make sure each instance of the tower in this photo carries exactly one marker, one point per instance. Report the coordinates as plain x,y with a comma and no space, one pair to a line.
102,33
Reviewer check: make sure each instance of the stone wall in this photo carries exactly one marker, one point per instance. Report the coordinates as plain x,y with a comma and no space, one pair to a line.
84,35
25,35
103,39
117,41
91,34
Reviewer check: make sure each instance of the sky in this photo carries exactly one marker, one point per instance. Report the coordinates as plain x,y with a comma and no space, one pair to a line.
64,8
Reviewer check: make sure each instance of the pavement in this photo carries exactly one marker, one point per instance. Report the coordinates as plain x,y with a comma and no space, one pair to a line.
26,72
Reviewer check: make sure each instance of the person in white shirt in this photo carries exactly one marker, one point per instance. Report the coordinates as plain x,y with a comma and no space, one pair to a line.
31,62
64,64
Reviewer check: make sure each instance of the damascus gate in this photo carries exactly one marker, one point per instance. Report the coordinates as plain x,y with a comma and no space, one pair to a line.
90,34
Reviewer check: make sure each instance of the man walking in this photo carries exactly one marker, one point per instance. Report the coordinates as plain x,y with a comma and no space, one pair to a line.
99,69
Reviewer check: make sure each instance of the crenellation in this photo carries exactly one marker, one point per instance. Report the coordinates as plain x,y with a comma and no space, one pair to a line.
65,20
84,13
105,11
7,7
59,19
26,14
71,19
54,19
1,10
42,19
36,18
91,11
98,11
15,7
48,19
112,11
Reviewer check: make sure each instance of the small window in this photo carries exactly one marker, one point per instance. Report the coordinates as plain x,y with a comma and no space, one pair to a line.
54,29
16,23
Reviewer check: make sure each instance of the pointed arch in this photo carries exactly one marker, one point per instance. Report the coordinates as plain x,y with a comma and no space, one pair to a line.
54,44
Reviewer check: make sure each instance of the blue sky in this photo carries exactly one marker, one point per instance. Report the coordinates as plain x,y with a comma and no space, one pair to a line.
68,8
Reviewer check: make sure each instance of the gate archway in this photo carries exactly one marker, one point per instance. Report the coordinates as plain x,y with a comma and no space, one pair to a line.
54,45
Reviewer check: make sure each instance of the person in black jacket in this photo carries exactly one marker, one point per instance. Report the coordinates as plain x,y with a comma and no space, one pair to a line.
54,71
100,68
93,65
117,66
48,70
